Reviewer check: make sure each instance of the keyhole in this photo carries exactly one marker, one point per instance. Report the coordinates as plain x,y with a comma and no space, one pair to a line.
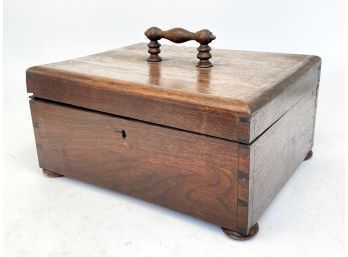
123,133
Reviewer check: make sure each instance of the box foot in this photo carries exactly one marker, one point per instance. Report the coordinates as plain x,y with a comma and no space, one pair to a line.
238,236
51,174
309,155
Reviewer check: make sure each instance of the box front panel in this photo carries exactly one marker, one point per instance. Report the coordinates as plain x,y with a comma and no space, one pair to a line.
191,173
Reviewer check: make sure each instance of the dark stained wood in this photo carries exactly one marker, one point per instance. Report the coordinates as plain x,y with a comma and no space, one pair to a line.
309,155
243,188
215,143
237,99
51,174
239,236
82,91
278,152
220,181
179,35
298,85
191,173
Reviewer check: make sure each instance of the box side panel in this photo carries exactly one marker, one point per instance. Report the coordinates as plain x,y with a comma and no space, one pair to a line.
187,172
35,121
276,154
296,86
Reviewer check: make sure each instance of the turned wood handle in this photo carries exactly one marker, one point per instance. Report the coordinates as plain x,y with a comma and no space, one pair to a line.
179,35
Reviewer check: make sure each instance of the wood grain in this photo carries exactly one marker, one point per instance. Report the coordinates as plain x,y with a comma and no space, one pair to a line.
243,203
216,143
278,152
191,173
241,85
179,35
278,105
217,180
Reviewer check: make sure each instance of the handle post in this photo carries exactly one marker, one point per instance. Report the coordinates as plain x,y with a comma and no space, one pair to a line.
179,35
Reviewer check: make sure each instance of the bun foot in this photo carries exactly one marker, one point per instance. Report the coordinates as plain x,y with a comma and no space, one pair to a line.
309,155
51,174
238,236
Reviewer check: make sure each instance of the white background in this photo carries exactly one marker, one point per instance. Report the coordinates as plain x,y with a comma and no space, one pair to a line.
63,217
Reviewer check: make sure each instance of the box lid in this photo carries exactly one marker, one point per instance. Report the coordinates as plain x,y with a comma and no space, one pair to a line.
237,99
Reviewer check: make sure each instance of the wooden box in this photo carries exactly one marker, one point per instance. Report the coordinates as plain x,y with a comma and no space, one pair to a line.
215,142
